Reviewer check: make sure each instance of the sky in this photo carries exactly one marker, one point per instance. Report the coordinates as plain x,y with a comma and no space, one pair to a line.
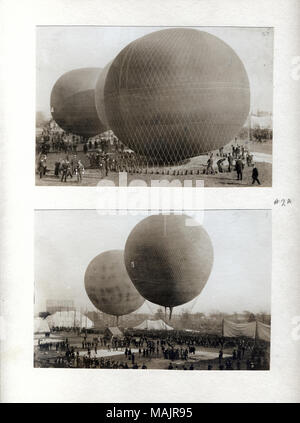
63,48
67,240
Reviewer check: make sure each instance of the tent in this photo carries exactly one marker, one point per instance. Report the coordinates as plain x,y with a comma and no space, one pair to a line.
263,331
154,325
113,332
41,325
232,329
253,330
69,319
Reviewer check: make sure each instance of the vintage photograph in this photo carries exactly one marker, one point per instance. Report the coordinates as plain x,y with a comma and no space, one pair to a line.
166,104
181,291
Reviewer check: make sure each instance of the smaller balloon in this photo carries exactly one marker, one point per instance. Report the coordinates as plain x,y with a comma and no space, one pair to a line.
108,285
72,102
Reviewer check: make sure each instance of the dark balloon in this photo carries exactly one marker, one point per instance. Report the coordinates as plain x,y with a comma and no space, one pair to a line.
169,259
108,286
73,102
176,93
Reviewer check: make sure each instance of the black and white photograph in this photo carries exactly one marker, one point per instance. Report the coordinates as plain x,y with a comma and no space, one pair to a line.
181,291
129,277
159,104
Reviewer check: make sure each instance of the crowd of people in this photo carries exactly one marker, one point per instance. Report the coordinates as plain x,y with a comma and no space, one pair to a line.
53,139
138,348
63,168
261,134
236,160
110,155
112,162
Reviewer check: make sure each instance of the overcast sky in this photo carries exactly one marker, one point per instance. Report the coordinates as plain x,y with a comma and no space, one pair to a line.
61,49
67,240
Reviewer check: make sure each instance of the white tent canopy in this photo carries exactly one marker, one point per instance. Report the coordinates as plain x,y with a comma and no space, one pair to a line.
253,330
69,319
41,325
154,325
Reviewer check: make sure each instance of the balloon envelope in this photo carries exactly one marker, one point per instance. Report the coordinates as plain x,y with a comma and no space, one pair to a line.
73,102
176,93
108,286
169,259
99,95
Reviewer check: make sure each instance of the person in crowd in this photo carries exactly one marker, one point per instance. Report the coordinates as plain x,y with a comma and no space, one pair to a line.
220,166
79,171
230,162
255,175
42,167
73,163
106,164
209,167
239,166
57,168
65,170
220,356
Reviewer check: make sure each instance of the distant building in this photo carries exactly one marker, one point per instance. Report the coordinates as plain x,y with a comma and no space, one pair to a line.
261,120
52,306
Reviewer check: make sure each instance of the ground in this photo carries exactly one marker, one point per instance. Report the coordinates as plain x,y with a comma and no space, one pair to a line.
200,360
190,171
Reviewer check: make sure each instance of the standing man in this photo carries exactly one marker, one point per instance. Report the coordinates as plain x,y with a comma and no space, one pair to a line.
79,171
239,169
248,159
209,167
230,162
74,163
69,169
64,170
255,175
106,164
42,165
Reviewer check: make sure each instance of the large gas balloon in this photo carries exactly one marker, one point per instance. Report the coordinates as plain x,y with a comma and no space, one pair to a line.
73,102
108,286
169,259
176,93
99,95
